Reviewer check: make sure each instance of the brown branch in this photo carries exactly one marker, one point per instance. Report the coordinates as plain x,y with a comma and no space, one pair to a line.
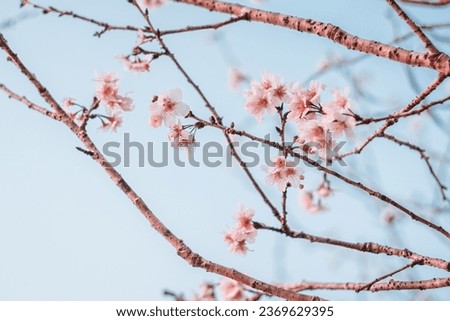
213,26
439,62
388,286
424,156
414,27
428,3
368,247
106,26
29,104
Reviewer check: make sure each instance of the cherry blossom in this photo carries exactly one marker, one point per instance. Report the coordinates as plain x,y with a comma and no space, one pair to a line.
314,138
282,173
340,98
301,100
179,136
339,123
169,106
155,121
243,232
231,290
114,121
137,64
107,91
266,95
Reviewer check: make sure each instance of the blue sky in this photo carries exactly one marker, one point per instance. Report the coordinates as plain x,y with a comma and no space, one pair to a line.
68,233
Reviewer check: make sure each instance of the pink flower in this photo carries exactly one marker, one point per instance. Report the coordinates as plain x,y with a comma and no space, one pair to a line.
169,106
136,65
179,136
244,221
341,98
301,100
257,102
114,121
339,123
150,4
107,92
236,241
283,173
155,121
243,232
231,290
276,89
314,138
266,95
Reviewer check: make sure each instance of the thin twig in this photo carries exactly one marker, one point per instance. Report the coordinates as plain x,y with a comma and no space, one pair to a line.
437,3
424,156
369,285
29,104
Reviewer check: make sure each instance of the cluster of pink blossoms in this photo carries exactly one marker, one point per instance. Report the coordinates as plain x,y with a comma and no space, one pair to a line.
167,108
318,125
243,232
283,173
107,93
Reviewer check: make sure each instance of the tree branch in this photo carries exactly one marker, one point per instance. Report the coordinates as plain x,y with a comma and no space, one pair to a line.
368,247
439,61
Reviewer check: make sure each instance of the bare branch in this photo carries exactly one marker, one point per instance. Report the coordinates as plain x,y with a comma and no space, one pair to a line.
437,3
29,104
